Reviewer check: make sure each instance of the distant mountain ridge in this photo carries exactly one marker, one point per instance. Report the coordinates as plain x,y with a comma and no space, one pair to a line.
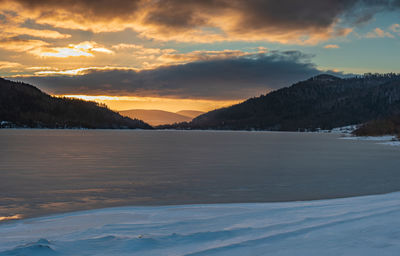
324,101
190,113
161,117
23,105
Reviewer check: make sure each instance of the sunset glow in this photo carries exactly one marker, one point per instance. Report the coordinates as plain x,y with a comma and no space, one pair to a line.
173,105
139,126
208,54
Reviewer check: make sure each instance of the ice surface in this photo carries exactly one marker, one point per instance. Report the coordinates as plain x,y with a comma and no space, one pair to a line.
368,225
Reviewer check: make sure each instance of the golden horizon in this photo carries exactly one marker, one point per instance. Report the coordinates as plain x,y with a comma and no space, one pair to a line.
121,103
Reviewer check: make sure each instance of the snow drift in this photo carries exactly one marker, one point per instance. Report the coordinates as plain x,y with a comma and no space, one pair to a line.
368,225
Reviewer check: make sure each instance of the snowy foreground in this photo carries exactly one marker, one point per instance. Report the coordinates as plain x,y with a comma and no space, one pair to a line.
368,225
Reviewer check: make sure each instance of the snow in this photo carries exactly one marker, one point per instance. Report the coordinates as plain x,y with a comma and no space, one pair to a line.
345,129
368,225
340,130
371,138
391,143
387,140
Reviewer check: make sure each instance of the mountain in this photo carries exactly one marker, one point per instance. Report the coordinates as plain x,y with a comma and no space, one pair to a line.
156,117
324,101
190,113
23,105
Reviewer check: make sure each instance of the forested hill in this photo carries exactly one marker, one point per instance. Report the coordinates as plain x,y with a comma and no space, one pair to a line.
323,101
23,105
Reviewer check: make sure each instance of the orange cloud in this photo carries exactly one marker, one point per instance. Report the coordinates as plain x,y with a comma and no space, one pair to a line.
142,50
46,71
378,33
331,46
21,45
12,26
85,49
395,28
287,22
152,57
17,31
180,58
8,65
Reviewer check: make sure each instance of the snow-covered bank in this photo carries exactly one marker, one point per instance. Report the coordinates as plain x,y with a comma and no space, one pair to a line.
366,225
345,129
371,138
383,140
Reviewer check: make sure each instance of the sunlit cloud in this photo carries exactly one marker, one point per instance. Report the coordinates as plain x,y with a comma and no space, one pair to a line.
12,25
395,28
21,45
85,49
39,68
142,50
157,59
379,33
287,22
202,56
17,31
331,46
8,65
46,71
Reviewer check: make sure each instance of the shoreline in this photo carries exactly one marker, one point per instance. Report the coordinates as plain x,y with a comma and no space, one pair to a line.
19,217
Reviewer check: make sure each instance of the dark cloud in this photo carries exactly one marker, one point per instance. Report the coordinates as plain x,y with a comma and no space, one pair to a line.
254,13
261,14
281,21
92,8
232,78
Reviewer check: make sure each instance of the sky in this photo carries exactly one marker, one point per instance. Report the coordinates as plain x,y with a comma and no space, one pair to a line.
200,55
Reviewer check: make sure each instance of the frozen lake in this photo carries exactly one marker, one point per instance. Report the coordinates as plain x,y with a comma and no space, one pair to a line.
51,171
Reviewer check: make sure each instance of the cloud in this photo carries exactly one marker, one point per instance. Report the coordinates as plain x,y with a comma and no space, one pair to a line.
12,25
47,71
142,50
155,57
285,21
86,49
201,56
395,28
331,46
21,45
236,77
378,33
43,49
18,31
8,65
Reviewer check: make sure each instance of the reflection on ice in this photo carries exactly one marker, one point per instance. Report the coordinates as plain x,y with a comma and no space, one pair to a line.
12,217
